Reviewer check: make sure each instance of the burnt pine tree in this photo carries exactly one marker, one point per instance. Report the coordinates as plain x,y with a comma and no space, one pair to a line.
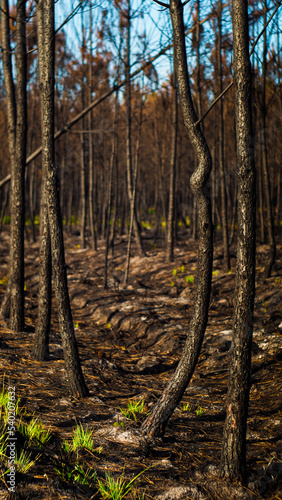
46,54
265,167
128,15
172,174
233,457
13,304
41,341
11,120
155,424
224,218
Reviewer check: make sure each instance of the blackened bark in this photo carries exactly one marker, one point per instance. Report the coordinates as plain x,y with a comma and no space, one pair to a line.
155,424
46,51
233,457
91,146
82,154
11,117
198,74
265,170
224,217
5,205
171,206
129,135
133,199
82,150
16,276
82,186
41,341
110,193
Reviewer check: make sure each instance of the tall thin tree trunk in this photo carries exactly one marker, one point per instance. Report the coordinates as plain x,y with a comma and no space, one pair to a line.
82,150
224,219
110,193
261,203
171,207
129,132
133,199
41,340
91,144
266,179
12,118
198,59
18,179
32,199
46,54
233,456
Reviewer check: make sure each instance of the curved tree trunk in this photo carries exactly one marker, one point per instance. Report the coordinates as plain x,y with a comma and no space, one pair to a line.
155,424
233,457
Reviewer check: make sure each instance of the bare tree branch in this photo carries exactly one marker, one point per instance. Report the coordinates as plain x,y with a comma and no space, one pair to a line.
231,83
165,5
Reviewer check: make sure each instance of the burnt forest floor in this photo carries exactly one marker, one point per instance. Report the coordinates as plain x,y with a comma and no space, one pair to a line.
130,340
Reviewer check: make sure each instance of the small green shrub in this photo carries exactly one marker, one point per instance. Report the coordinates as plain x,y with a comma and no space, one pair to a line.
34,431
82,438
24,462
199,411
134,409
189,279
4,281
76,474
118,424
186,407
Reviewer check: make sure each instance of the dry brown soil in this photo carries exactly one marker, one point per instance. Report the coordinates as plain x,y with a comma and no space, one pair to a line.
130,340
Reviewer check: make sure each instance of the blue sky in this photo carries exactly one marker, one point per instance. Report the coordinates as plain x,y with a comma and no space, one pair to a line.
153,21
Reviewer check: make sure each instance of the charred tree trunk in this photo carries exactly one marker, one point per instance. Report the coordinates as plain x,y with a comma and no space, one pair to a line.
110,193
233,457
155,424
4,207
13,303
133,199
224,219
82,152
46,53
91,146
171,207
41,340
128,131
18,183
266,179
11,117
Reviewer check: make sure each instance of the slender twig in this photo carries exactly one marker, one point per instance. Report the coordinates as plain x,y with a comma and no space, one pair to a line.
264,28
214,103
165,5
